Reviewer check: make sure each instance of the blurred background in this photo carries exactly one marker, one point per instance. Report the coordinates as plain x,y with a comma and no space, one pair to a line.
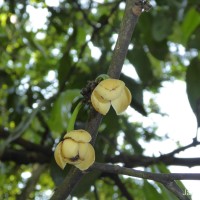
50,49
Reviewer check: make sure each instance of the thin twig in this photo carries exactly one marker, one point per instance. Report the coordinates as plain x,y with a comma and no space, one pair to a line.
167,159
194,143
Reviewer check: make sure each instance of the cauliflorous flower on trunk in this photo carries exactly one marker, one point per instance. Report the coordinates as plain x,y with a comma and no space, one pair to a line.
111,92
75,149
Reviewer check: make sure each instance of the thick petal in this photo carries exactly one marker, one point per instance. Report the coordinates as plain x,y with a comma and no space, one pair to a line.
100,105
79,135
69,149
82,150
120,104
58,156
89,159
110,89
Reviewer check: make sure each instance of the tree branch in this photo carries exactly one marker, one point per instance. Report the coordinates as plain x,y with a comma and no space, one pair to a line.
24,157
167,159
24,124
125,34
145,161
168,180
178,150
116,169
30,186
29,146
128,23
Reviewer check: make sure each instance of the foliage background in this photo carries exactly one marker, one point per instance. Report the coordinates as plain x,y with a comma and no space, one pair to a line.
42,70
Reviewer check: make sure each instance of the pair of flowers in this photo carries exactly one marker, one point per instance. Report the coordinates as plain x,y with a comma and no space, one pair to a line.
75,147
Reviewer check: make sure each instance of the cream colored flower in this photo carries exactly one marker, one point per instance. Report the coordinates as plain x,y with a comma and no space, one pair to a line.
111,92
75,149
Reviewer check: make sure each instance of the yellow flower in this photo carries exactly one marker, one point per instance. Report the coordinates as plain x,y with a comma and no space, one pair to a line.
111,92
75,149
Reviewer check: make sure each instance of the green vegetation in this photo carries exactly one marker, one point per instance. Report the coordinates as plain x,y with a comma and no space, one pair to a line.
43,68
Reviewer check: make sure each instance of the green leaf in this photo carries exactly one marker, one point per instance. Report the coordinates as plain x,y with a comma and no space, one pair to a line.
58,175
65,63
85,183
190,23
64,68
61,111
5,78
140,61
159,49
131,136
166,194
194,42
193,87
136,90
162,168
151,192
159,31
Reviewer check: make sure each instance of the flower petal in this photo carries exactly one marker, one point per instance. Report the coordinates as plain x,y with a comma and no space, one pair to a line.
69,148
100,105
120,104
89,159
78,135
110,89
82,150
58,156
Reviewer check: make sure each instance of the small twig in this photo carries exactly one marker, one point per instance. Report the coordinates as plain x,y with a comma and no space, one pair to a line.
167,159
194,143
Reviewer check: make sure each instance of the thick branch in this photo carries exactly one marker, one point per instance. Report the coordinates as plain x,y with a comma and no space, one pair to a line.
29,146
168,180
116,169
24,157
124,38
120,51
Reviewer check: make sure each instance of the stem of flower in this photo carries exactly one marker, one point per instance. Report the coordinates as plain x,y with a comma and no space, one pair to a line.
102,77
74,116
